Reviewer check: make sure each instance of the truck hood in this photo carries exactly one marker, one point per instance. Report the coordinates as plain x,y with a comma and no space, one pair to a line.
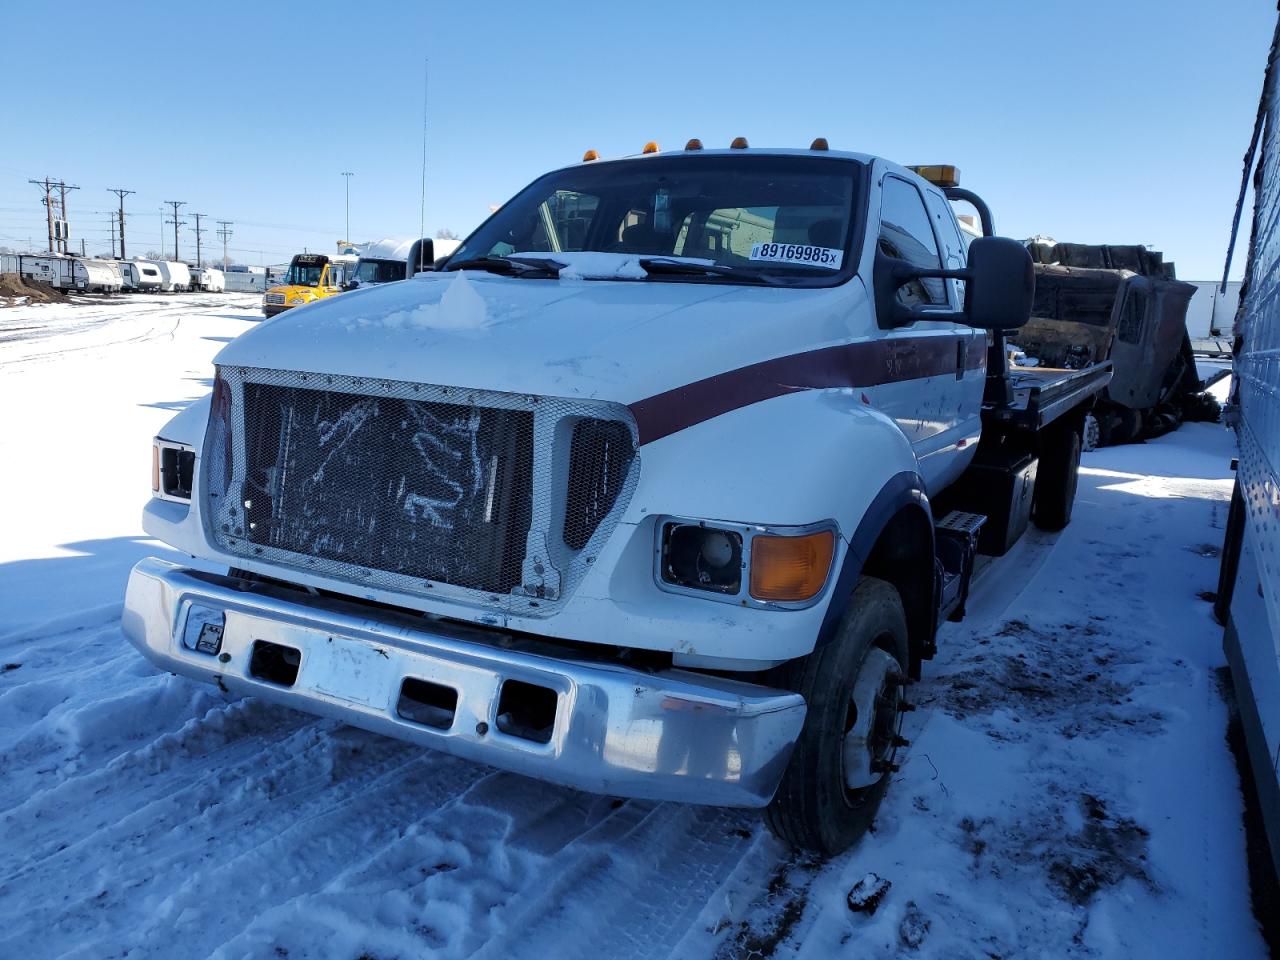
614,340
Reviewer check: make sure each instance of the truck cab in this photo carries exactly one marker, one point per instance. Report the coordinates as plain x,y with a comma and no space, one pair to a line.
311,277
660,486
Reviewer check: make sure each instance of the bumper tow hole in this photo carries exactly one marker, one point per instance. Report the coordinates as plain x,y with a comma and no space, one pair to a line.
274,663
527,710
429,704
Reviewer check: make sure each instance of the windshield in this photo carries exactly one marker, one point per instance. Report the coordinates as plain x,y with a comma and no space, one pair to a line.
304,274
380,271
789,215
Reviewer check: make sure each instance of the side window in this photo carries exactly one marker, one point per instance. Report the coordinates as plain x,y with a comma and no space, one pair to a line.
905,233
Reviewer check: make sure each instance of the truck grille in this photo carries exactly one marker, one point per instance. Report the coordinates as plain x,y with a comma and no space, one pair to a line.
415,488
275,299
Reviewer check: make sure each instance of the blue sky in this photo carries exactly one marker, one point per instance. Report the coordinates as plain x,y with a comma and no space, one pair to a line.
1115,122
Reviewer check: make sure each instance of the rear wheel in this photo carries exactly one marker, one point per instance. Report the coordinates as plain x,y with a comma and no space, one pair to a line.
840,767
1057,477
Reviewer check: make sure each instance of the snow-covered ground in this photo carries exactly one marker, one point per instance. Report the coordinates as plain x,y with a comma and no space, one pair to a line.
1068,793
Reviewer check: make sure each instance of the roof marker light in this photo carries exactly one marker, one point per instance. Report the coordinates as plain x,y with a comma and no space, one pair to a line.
589,156
739,143
650,147
693,144
939,174
819,143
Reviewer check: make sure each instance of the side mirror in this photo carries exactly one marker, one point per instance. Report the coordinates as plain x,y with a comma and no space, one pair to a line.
421,256
1000,285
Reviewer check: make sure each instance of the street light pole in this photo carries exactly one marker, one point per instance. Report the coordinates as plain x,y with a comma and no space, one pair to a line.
346,175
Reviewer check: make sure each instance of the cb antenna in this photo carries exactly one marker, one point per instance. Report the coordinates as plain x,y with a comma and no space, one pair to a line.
422,204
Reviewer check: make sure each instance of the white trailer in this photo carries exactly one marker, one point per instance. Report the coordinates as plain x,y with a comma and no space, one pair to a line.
176,276
96,276
243,279
147,276
49,268
1248,597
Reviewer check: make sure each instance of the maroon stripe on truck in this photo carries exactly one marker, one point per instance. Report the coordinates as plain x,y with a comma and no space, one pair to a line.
866,364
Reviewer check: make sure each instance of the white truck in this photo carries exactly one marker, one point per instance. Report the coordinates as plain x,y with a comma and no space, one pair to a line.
208,279
397,258
660,486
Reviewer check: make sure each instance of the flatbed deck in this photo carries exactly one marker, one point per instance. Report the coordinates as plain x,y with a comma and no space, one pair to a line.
1043,394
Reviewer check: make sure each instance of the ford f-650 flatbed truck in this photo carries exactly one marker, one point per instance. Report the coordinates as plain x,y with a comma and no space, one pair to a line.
660,486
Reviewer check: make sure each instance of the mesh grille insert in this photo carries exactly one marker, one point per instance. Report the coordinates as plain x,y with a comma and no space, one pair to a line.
434,491
600,456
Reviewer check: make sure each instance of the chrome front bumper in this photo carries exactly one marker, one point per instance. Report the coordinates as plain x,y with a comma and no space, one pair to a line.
663,735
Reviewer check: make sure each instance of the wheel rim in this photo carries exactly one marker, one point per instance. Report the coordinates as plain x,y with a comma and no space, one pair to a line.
871,740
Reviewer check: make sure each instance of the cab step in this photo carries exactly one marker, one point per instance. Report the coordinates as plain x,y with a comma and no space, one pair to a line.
957,547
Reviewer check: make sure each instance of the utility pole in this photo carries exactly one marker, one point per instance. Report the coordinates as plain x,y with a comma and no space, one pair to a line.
48,205
199,262
176,223
121,194
111,226
347,175
66,228
224,232
57,236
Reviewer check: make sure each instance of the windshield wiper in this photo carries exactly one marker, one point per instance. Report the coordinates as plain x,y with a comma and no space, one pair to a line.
654,266
509,266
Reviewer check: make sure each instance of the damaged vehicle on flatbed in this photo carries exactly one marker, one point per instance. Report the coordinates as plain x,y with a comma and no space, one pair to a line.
659,487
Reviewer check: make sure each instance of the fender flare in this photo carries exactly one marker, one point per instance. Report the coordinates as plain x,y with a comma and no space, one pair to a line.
903,490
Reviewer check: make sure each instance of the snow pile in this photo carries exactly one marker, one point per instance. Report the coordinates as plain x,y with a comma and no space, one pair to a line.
460,307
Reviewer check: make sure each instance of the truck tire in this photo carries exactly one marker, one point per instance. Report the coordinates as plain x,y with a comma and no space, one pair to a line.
1057,478
853,689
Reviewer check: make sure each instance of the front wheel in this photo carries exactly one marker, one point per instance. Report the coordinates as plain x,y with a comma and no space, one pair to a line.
840,767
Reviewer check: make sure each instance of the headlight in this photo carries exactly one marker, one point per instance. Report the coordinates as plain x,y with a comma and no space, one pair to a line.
702,558
173,467
744,564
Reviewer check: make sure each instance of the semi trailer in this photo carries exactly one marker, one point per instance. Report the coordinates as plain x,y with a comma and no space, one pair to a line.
662,485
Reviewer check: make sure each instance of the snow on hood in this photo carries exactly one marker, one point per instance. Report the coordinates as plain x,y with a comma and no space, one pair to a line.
613,340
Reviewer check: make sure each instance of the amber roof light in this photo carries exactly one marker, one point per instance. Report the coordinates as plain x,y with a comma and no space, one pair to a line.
819,143
694,144
739,143
589,156
650,147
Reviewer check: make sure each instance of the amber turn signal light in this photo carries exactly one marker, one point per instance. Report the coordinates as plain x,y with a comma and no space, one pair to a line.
790,569
155,468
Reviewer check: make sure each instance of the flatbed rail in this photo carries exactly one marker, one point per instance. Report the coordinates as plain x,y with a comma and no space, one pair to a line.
1043,394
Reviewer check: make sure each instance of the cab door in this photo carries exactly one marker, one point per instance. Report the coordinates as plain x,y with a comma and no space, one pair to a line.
932,366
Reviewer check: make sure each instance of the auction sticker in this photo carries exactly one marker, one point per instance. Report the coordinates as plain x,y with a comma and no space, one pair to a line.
801,253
